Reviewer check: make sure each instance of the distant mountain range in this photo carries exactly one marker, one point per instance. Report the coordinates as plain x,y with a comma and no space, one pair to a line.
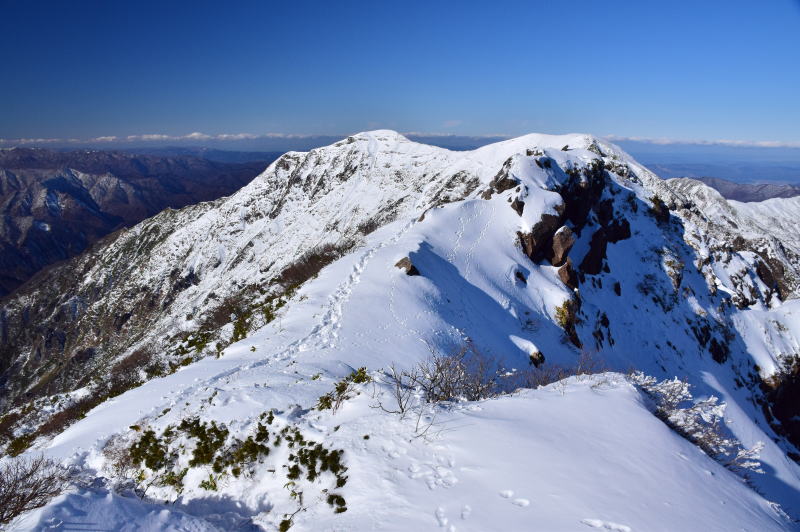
755,171
55,204
750,192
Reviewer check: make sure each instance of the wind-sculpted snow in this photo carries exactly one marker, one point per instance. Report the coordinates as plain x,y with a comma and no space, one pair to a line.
653,278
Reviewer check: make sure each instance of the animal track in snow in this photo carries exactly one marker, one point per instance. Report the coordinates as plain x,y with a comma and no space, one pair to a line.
441,517
466,511
606,525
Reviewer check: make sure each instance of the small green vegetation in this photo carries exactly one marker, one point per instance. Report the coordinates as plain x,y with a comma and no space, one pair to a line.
20,444
342,390
338,501
174,479
360,376
194,342
565,314
567,318
210,483
156,459
241,326
209,439
150,451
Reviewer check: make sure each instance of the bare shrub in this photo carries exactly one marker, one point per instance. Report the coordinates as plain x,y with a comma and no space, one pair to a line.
311,262
59,421
125,374
402,390
117,454
7,424
29,483
466,374
587,363
221,315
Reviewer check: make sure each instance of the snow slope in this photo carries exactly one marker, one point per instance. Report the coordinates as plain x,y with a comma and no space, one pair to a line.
669,298
585,455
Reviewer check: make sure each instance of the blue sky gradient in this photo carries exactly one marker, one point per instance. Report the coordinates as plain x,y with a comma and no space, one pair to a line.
687,70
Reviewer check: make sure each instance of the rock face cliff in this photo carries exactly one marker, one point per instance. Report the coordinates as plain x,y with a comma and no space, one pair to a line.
537,250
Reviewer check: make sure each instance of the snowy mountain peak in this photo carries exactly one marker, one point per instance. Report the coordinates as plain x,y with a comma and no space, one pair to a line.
377,251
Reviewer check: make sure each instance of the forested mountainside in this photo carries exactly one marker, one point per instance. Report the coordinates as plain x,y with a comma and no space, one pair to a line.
56,204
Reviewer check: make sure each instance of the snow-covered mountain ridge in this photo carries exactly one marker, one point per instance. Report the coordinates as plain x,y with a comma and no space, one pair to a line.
652,274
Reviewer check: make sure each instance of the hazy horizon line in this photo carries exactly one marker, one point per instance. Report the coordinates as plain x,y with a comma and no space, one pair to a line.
161,138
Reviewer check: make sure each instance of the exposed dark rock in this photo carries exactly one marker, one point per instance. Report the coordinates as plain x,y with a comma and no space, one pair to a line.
535,243
502,181
520,277
772,273
782,408
617,288
770,270
567,275
592,263
537,358
604,211
582,192
619,229
563,240
406,264
719,350
659,210
518,205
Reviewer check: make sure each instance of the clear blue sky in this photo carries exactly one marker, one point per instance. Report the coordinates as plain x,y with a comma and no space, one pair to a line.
691,70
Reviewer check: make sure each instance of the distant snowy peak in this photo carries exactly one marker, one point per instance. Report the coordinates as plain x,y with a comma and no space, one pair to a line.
748,192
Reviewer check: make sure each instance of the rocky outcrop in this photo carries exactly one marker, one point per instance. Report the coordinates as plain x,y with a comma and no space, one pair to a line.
536,358
502,181
582,192
567,275
593,261
518,205
659,210
563,240
406,265
781,402
535,243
